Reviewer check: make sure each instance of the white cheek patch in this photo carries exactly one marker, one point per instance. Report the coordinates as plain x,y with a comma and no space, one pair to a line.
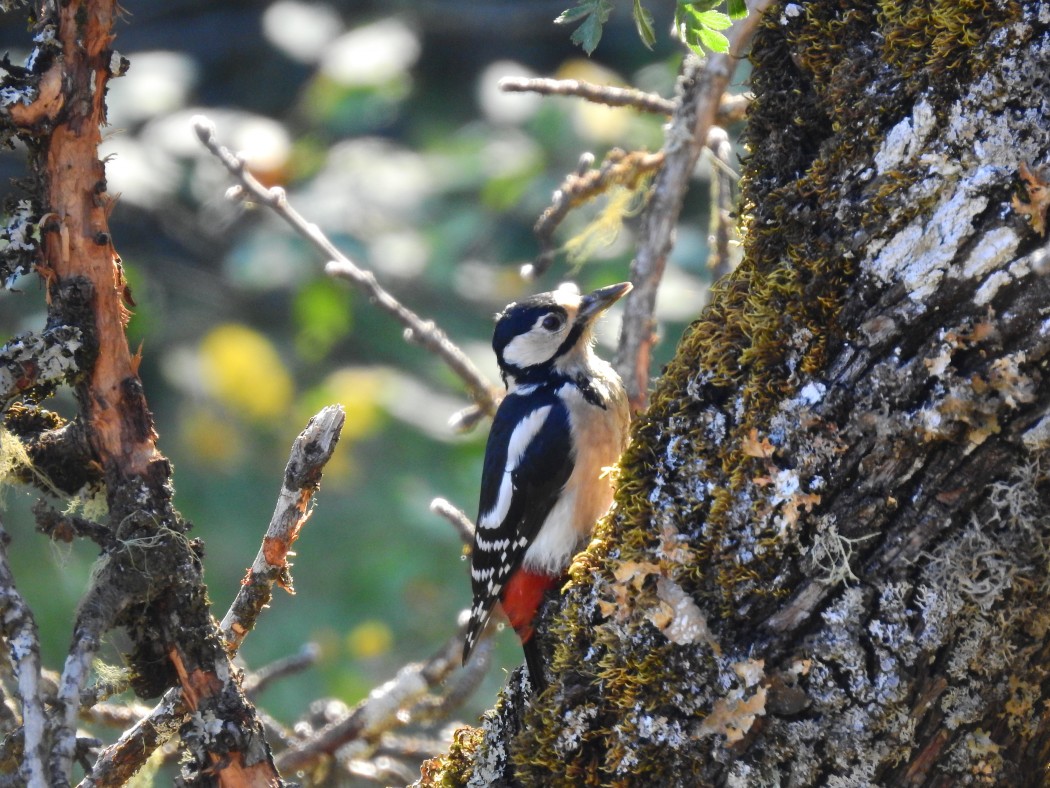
535,347
524,433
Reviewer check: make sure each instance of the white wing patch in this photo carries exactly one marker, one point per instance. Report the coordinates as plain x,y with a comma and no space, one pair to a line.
524,433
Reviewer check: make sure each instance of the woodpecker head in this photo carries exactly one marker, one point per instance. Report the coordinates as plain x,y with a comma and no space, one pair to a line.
550,332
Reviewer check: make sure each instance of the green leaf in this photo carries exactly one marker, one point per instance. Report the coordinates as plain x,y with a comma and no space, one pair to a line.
643,20
737,9
594,14
713,20
571,15
699,5
588,34
712,39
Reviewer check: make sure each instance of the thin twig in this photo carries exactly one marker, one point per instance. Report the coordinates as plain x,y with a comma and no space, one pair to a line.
310,451
730,108
599,94
60,527
702,86
20,631
723,182
379,711
260,679
115,715
464,525
119,762
422,332
457,690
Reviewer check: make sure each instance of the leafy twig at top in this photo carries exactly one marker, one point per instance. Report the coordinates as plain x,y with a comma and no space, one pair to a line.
697,24
422,332
703,84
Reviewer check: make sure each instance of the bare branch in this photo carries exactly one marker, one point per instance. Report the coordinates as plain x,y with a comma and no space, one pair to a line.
599,94
702,86
19,629
87,636
379,711
458,689
302,660
730,108
117,763
463,524
618,169
425,333
302,476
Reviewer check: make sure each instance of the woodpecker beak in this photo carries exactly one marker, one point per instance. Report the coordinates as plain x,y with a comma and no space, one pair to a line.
594,304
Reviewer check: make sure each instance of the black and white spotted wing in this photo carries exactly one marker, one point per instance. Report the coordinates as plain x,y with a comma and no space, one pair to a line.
528,460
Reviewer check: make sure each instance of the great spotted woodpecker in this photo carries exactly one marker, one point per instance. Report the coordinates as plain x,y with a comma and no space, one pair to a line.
564,420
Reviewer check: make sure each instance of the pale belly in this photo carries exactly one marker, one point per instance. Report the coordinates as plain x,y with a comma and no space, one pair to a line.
589,490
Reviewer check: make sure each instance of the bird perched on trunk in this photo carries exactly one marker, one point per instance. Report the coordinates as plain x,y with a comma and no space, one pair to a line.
564,420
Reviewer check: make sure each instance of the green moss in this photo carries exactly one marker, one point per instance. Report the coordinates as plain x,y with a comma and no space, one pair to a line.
454,768
931,39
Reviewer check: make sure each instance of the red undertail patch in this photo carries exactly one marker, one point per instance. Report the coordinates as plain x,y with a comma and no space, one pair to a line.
521,598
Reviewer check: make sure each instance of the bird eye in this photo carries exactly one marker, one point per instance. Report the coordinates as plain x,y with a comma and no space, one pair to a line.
552,322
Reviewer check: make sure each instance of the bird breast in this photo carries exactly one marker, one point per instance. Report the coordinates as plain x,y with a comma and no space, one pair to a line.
599,435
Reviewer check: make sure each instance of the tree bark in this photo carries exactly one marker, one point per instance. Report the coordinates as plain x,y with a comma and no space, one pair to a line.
149,579
828,561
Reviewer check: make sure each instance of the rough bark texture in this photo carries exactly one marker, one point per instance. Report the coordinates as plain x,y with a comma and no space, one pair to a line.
149,579
829,558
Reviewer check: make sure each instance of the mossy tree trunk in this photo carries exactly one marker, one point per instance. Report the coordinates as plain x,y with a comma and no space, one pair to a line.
829,559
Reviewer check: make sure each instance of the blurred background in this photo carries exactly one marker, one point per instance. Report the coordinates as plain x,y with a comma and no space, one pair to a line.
384,123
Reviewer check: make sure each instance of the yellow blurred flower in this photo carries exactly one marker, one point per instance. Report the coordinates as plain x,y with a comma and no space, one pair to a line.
596,122
245,373
369,639
359,390
211,439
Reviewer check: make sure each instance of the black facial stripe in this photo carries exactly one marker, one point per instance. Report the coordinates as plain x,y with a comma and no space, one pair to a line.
570,339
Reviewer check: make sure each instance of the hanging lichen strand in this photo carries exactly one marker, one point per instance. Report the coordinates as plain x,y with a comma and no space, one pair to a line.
830,544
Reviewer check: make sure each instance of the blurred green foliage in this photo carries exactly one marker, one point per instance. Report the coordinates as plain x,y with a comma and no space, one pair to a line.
384,124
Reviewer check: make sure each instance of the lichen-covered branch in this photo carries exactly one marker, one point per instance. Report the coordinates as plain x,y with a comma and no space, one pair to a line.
20,633
310,452
422,332
34,360
701,87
